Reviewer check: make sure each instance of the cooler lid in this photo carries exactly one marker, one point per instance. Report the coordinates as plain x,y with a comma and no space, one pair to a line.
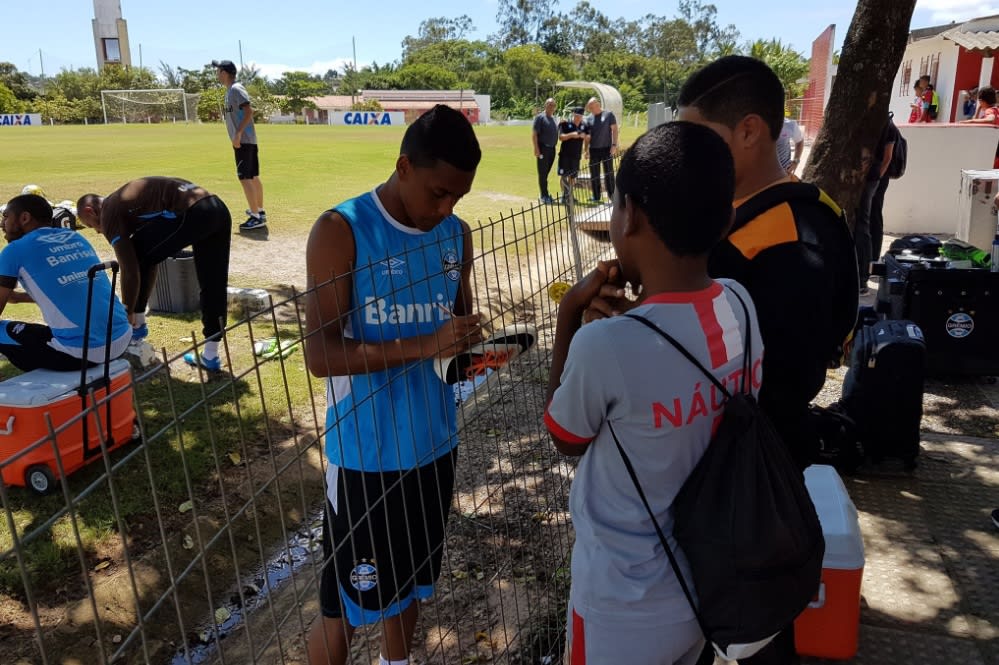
838,516
43,386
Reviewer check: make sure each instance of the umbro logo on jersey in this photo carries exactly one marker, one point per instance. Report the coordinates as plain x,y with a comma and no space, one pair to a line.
392,266
58,238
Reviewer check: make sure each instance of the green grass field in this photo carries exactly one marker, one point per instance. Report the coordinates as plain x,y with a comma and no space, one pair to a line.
305,169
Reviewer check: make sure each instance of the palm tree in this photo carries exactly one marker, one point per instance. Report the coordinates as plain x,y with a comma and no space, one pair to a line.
249,74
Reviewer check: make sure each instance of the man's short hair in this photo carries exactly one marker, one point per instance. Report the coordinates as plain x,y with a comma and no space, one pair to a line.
987,94
34,205
442,134
681,175
730,88
86,200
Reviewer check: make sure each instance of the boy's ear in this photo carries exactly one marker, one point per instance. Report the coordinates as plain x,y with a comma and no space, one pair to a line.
634,217
403,166
728,226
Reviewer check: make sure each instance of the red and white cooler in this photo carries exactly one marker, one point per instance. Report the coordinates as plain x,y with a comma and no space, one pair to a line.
828,628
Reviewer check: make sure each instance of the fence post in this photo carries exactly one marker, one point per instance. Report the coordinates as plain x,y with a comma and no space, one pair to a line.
570,207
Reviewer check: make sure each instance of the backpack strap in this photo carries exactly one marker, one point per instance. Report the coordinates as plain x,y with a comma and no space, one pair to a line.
747,361
746,369
662,536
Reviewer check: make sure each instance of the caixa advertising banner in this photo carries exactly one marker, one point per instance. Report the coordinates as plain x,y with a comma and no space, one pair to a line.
20,119
380,118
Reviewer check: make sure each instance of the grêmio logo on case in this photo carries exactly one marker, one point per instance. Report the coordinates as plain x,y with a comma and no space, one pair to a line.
959,325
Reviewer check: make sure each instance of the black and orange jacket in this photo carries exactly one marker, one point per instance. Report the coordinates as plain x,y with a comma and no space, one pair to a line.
791,248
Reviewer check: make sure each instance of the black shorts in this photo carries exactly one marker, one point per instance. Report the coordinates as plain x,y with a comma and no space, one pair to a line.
247,161
388,532
26,346
568,166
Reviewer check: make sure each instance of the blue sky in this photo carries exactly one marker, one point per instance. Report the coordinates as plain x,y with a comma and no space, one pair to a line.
278,36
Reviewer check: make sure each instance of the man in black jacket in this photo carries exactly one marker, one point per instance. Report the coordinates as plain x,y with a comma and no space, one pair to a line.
789,246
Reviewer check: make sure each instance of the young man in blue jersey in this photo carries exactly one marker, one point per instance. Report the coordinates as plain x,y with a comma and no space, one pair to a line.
672,205
51,266
388,276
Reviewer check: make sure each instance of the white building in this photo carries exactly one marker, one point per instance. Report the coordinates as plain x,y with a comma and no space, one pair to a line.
110,34
957,57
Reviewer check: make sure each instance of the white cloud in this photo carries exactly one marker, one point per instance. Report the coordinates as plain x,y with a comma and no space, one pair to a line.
943,11
320,67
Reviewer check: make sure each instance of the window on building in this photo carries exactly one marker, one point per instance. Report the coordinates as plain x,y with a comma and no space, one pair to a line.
905,80
924,67
112,50
934,68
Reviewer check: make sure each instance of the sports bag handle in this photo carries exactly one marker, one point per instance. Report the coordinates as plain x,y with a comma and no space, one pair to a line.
747,366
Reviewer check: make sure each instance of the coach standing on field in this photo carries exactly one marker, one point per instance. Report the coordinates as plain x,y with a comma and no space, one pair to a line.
239,121
545,138
603,147
151,219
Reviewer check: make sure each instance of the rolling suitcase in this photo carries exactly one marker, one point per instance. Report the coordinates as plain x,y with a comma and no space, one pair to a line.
29,455
883,389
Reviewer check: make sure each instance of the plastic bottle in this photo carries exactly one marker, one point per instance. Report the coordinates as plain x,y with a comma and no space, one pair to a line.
994,264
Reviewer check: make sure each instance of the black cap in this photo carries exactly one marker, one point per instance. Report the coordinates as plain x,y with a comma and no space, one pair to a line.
225,65
578,110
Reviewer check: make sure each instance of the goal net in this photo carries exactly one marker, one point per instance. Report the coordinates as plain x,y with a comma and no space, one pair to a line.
161,105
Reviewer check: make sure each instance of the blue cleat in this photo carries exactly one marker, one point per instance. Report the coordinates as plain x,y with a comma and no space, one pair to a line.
195,360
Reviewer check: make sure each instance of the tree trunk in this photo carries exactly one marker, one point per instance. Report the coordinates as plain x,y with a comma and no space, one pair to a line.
858,106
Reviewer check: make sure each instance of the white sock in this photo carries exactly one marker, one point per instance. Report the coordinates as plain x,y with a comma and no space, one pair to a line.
211,351
140,319
255,215
382,660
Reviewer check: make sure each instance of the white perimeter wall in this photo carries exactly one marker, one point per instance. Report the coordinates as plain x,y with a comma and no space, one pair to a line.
925,199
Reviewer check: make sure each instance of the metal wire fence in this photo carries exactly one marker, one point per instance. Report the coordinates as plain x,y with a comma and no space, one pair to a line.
200,540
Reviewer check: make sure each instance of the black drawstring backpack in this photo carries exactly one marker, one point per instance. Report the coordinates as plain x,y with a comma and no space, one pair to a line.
745,523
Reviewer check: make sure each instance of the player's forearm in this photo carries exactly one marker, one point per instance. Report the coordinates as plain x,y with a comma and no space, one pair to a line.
19,297
334,355
131,276
570,320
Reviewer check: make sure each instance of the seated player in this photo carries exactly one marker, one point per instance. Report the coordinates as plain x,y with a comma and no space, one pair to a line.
51,266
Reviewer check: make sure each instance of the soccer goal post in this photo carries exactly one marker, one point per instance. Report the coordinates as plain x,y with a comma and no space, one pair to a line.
158,105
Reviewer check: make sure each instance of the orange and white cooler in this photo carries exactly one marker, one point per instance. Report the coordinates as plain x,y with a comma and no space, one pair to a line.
829,627
30,400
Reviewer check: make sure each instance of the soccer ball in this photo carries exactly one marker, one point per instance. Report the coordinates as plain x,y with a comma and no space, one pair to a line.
33,189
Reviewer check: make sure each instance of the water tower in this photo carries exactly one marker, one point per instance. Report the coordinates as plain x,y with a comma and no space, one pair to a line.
110,34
